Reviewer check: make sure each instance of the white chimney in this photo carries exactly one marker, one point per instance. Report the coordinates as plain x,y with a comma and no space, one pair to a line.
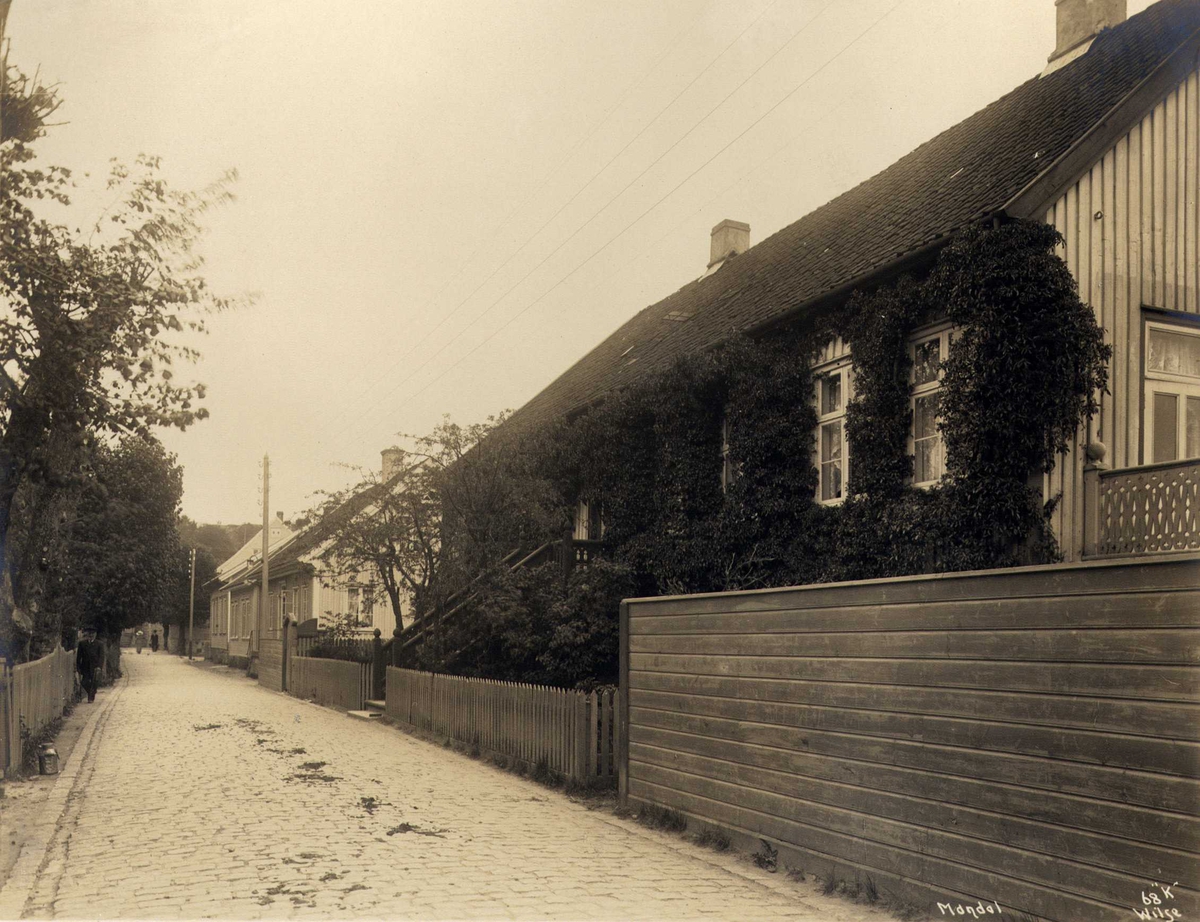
392,460
1078,22
729,238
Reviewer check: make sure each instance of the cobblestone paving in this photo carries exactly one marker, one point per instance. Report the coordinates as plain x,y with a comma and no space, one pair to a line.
206,796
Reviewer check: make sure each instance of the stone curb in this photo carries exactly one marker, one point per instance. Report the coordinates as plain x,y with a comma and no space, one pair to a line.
16,891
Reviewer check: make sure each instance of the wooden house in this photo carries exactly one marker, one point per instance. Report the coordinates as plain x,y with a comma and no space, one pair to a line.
1104,145
234,603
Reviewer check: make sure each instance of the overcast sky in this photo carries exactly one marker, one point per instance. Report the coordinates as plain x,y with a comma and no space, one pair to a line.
443,204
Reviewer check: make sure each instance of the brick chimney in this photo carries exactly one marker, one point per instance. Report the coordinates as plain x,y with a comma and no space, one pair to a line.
1080,21
392,460
728,239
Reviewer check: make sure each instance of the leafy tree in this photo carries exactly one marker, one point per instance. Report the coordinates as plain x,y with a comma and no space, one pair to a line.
123,547
176,614
387,528
86,347
491,497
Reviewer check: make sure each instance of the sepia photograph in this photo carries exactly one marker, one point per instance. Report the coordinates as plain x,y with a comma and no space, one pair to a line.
569,460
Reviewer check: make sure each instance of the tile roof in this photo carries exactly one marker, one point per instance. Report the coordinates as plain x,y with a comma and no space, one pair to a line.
964,174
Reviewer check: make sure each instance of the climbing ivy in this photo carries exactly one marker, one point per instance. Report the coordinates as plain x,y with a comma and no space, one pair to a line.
1023,370
1024,366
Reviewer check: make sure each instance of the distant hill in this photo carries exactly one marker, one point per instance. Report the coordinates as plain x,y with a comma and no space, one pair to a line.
221,541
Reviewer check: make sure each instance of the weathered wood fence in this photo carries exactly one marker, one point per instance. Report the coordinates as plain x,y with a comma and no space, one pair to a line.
573,733
1026,736
331,682
31,696
270,663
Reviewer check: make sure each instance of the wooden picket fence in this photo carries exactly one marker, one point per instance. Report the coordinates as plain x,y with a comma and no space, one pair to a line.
32,695
330,682
573,733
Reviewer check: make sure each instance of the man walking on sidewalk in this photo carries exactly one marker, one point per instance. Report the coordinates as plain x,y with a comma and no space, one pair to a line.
87,662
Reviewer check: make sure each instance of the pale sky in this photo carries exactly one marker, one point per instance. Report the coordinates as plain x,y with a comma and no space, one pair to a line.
443,204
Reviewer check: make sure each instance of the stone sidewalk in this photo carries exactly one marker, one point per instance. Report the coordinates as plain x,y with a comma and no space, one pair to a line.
205,796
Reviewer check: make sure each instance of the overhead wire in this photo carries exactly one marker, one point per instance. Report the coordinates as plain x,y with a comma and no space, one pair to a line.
638,219
563,207
608,204
524,199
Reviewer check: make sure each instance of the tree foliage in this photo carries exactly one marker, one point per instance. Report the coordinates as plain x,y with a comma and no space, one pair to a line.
387,528
1022,374
93,329
124,551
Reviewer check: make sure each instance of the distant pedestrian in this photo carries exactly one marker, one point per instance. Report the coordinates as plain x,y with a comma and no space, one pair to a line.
139,640
154,641
88,653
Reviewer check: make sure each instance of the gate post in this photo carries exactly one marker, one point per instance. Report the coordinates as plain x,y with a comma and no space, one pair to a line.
285,653
378,676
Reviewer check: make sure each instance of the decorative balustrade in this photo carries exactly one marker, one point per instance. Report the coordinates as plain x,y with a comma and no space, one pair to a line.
1142,510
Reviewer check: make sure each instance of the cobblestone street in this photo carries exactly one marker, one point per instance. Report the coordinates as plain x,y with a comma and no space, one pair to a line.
203,795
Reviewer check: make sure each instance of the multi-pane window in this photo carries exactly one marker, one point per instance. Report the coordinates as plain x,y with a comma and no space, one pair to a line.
727,472
1172,393
929,461
833,390
366,616
589,521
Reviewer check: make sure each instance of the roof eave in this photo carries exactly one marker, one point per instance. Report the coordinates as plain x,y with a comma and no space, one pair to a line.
879,275
1044,189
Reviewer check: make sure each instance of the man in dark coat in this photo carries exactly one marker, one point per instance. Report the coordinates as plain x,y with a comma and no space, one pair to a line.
88,654
154,641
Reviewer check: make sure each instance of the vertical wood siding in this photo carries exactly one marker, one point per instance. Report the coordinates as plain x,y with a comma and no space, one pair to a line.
1131,234
1030,736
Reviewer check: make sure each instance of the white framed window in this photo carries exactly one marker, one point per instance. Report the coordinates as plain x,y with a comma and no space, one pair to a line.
1172,392
589,521
925,440
728,474
366,615
832,387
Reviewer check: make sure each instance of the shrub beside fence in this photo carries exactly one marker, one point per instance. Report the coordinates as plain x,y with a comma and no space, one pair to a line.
574,733
32,695
351,649
339,683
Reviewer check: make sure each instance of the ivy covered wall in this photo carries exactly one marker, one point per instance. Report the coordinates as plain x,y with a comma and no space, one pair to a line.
1023,370
1025,365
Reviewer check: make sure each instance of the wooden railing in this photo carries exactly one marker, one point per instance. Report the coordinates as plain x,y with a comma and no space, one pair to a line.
32,695
572,733
567,553
1142,510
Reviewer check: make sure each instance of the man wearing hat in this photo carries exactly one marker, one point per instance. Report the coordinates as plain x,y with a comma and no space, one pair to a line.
88,653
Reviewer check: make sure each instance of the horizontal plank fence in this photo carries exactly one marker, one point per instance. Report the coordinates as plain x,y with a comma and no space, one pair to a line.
573,733
330,682
33,695
1028,736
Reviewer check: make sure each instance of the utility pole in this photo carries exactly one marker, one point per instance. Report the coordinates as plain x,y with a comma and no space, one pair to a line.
192,604
265,595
